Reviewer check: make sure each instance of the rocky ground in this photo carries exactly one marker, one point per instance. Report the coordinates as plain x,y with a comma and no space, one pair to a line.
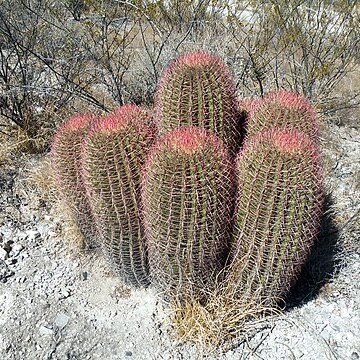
59,303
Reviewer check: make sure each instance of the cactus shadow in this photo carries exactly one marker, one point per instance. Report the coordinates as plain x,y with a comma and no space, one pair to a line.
322,264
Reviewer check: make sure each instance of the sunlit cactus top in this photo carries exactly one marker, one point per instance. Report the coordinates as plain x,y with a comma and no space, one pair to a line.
283,109
122,117
74,124
285,141
190,140
196,58
197,89
67,140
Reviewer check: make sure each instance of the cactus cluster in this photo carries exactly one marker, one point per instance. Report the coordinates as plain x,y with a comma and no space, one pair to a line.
204,191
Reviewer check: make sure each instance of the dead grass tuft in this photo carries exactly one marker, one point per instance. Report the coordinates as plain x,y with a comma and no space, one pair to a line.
69,229
221,322
41,177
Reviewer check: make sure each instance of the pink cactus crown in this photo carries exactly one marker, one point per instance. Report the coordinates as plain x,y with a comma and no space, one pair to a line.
285,140
291,99
120,118
188,140
73,124
194,59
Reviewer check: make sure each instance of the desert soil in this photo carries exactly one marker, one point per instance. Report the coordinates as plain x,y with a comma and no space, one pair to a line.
57,302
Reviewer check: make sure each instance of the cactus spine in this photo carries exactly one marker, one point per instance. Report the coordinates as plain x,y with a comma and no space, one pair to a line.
277,215
187,193
65,159
113,153
283,109
197,89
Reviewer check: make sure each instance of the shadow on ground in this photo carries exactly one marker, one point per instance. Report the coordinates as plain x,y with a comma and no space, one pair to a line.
322,264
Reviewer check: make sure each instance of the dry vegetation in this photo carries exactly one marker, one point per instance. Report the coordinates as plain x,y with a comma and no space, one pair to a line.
59,58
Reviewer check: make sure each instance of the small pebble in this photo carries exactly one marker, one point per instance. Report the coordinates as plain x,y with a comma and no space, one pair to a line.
61,320
45,330
128,353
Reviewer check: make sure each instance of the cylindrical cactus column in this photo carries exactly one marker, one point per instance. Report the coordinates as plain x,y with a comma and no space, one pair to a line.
283,109
197,89
277,217
187,193
113,153
65,159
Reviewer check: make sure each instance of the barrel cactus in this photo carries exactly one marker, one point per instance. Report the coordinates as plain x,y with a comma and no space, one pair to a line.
247,105
283,109
65,159
187,198
277,216
113,153
197,89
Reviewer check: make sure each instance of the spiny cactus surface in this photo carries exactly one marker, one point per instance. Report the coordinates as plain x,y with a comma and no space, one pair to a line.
113,153
197,89
246,105
277,217
65,159
283,109
187,199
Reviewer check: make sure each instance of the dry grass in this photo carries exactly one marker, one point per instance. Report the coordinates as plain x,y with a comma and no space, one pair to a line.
70,231
343,108
221,323
11,143
41,177
16,141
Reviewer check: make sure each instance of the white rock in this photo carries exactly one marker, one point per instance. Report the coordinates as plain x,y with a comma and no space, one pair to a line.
45,330
61,320
3,254
33,234
16,249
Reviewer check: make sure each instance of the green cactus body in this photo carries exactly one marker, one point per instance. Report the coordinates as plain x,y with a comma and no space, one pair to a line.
65,159
283,109
277,216
113,153
197,89
187,199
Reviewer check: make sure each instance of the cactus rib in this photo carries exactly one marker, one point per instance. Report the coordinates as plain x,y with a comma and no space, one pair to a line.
283,109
